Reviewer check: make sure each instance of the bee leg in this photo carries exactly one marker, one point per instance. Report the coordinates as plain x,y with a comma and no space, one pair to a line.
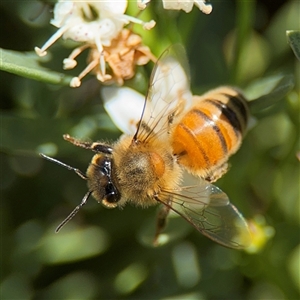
95,146
217,173
160,223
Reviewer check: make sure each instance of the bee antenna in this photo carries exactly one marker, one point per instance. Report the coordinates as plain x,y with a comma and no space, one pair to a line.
74,212
77,171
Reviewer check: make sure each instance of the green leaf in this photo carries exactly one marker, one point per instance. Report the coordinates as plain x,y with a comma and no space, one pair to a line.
27,65
274,89
293,37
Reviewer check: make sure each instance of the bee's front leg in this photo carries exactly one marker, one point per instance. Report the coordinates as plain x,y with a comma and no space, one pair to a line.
94,146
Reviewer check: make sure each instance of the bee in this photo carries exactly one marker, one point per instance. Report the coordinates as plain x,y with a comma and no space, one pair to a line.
178,142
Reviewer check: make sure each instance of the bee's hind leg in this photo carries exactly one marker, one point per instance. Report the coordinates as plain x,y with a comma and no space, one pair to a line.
161,222
217,173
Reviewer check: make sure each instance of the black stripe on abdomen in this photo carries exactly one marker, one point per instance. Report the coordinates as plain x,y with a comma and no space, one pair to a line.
214,126
229,114
238,104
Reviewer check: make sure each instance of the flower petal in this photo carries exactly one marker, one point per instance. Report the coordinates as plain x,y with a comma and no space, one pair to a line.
187,5
124,105
62,10
177,5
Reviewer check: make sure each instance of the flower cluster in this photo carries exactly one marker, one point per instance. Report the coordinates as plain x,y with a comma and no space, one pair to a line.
124,53
99,26
186,5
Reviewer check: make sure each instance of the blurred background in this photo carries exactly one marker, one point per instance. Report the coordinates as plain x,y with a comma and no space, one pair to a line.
101,253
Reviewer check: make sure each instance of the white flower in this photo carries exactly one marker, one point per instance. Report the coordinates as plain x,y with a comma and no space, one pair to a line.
124,113
122,56
185,5
95,23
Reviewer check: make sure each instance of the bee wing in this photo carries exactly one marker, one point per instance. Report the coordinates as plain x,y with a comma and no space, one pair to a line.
168,94
209,210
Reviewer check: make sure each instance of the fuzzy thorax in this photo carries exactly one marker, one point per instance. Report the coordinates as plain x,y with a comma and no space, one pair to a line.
144,171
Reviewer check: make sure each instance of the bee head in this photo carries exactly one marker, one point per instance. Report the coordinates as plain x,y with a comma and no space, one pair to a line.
100,181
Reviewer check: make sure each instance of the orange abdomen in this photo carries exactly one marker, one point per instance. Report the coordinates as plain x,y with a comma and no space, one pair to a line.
211,131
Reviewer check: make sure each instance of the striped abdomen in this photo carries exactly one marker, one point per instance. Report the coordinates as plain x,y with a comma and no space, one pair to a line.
210,132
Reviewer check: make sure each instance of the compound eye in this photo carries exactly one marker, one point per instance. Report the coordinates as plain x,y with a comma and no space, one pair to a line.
111,193
103,164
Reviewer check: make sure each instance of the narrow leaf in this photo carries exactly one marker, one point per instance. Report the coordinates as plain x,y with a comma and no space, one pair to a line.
26,64
293,37
279,88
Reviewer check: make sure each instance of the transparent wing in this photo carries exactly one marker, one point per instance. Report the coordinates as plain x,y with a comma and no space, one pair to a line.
209,210
168,95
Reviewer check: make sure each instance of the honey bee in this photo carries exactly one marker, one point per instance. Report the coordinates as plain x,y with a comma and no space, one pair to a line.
179,141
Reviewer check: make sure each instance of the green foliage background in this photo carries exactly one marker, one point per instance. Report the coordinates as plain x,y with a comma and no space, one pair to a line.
101,253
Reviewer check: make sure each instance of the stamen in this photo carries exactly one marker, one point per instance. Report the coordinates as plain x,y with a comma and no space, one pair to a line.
102,64
149,25
70,62
146,25
75,82
142,4
204,7
87,11
102,76
42,51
